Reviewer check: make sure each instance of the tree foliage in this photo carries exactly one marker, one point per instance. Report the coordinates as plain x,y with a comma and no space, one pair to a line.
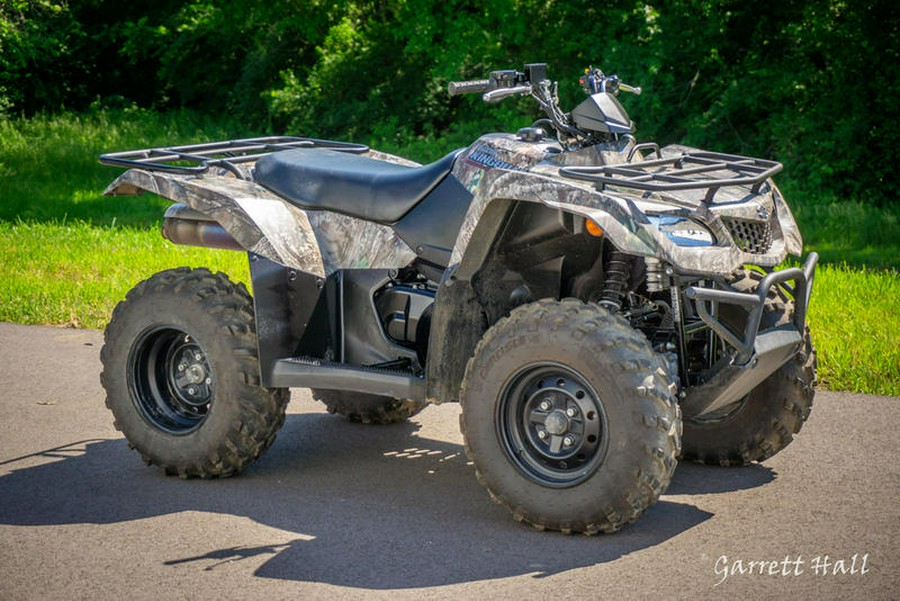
813,83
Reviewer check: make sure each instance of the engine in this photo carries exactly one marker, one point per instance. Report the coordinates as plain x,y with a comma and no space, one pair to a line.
405,310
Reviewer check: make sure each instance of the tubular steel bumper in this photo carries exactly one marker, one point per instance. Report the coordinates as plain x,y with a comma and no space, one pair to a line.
758,354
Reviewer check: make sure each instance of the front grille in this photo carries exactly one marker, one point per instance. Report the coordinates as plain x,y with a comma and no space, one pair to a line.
753,237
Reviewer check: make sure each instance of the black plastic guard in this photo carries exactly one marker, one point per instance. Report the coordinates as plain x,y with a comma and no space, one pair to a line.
284,300
773,348
758,354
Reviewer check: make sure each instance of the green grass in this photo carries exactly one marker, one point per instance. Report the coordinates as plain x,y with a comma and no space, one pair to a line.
848,231
70,254
49,170
73,274
853,317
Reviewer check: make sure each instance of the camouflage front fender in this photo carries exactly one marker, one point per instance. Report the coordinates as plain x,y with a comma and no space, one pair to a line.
614,215
624,222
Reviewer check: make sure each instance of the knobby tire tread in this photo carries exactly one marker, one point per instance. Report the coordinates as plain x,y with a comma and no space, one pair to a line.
655,410
258,412
364,408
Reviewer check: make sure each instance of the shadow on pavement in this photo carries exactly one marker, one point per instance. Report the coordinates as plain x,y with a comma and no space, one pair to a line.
373,507
693,479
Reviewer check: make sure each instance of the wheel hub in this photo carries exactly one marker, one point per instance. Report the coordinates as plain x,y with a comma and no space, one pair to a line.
189,374
195,374
557,423
552,425
171,380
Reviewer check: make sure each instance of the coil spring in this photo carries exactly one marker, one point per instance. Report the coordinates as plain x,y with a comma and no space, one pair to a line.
618,271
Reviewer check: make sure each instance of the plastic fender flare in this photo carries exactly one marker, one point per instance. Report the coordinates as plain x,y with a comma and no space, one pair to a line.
618,218
259,221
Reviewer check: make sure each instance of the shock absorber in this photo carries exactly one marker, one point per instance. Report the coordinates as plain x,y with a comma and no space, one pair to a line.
618,270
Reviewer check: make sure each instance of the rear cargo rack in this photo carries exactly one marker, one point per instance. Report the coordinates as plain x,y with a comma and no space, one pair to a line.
195,159
695,170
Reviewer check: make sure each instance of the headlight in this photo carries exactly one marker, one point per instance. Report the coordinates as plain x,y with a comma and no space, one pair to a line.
682,231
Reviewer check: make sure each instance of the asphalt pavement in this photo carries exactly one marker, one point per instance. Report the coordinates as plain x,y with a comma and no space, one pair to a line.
338,510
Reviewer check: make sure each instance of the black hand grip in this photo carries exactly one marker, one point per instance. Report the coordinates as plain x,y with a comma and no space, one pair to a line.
479,86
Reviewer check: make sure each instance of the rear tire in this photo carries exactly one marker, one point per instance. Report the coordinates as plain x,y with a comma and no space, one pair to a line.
570,418
365,408
765,421
181,375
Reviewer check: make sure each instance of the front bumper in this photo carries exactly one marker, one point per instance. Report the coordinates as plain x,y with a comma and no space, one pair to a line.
758,354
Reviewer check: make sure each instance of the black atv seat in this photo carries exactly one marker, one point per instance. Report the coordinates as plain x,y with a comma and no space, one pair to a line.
322,179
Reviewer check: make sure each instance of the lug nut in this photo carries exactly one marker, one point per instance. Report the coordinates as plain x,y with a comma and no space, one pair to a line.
568,441
545,405
198,357
208,381
571,412
542,434
192,391
182,367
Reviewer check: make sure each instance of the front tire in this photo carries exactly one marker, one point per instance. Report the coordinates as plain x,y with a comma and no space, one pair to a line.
569,418
181,375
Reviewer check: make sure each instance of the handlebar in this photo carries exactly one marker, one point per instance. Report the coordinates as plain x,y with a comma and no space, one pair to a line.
503,83
533,81
478,86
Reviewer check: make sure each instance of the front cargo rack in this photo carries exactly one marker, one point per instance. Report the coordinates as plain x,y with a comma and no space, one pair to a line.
694,170
196,159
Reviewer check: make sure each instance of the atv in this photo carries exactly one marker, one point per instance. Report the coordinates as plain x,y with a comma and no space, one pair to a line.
599,307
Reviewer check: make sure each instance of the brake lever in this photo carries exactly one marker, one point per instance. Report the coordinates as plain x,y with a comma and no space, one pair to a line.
500,94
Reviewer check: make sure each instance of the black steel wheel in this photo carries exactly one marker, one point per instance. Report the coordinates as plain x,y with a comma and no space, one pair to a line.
570,417
170,379
552,425
181,375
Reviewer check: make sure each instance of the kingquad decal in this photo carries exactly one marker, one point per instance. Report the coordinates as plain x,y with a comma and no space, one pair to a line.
486,157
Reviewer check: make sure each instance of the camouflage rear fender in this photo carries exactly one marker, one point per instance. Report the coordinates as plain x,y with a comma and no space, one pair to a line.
258,220
315,242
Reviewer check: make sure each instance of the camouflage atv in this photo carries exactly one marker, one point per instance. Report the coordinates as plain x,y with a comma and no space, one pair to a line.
599,307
